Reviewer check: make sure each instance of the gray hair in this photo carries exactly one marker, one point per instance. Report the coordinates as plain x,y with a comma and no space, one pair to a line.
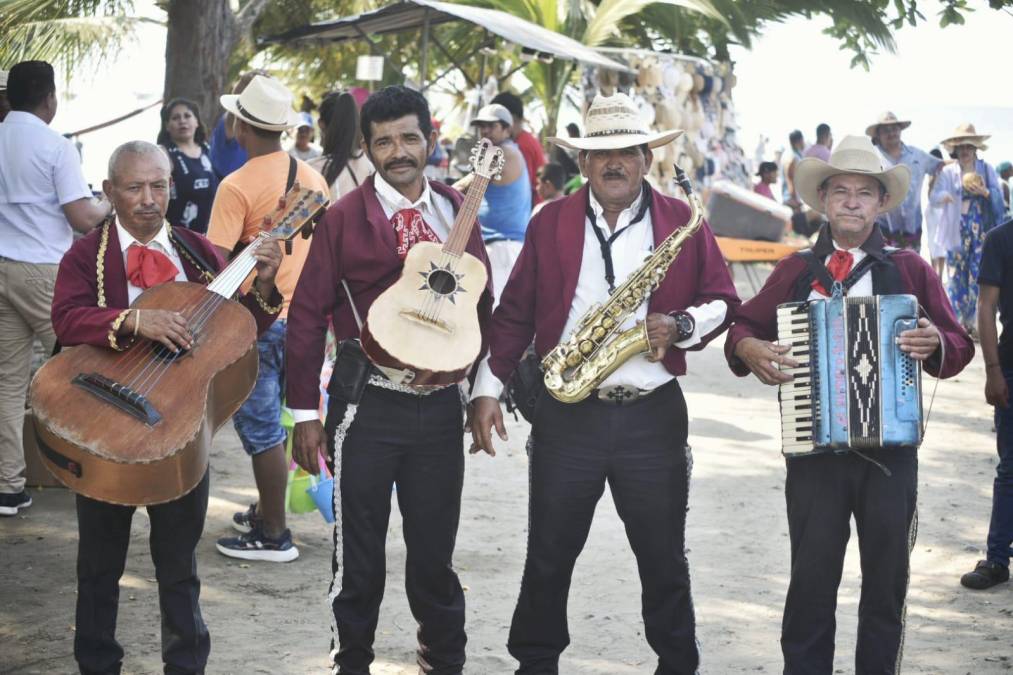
137,148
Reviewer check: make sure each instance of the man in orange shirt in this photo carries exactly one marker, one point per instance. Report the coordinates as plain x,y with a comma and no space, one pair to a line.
262,112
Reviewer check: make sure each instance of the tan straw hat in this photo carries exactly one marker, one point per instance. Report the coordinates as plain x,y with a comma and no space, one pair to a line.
965,134
3,80
265,104
614,122
853,155
885,119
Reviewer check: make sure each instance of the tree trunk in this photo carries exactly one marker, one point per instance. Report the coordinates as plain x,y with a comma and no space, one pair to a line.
201,37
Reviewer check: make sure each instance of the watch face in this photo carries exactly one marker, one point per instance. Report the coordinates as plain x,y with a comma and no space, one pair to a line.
685,324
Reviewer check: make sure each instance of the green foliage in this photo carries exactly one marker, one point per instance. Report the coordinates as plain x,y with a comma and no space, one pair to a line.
65,31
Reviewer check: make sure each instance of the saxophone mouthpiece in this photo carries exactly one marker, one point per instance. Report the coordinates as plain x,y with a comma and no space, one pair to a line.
682,180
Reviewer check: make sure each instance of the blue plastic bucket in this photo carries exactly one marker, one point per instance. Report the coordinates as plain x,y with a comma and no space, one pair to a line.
322,494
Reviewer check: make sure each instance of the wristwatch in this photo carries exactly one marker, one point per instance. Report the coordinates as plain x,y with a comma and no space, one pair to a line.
685,324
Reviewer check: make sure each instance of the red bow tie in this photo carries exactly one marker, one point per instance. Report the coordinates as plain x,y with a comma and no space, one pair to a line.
147,267
410,229
839,265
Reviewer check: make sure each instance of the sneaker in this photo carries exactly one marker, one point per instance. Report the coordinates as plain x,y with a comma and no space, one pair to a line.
243,521
10,504
255,545
986,574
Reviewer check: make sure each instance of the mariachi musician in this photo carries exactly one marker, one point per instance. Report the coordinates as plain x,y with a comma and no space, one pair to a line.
101,275
381,432
879,485
631,430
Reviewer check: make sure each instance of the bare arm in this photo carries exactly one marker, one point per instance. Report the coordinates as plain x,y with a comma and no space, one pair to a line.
85,214
513,166
996,392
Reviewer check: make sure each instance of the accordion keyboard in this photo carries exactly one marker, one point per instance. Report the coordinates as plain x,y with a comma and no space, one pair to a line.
798,410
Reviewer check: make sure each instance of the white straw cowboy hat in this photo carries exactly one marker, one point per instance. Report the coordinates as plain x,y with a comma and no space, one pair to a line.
3,80
854,155
885,119
614,122
965,134
265,104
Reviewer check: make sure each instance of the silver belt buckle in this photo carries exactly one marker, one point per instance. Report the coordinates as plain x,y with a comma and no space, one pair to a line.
619,394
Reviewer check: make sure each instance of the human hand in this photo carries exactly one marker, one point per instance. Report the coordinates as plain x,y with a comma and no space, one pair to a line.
996,390
922,342
487,414
268,256
164,326
308,443
762,358
662,333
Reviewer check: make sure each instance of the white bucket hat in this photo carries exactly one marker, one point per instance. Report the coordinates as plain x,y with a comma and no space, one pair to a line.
265,104
853,155
614,122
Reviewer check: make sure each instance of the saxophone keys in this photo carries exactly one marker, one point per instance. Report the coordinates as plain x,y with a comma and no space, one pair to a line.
573,360
586,347
598,334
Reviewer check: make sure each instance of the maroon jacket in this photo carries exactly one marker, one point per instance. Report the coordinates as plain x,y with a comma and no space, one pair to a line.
77,318
537,298
757,317
356,242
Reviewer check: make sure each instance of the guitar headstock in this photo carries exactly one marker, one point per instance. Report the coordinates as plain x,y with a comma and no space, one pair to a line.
296,212
487,160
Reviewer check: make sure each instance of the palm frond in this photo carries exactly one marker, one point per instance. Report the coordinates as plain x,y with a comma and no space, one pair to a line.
610,14
68,39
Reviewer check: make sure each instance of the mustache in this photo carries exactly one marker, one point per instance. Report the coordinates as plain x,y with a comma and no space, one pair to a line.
400,161
613,174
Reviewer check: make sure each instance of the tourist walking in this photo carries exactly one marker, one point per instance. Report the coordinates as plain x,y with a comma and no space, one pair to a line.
974,185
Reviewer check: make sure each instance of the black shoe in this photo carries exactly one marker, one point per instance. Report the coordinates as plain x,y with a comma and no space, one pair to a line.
255,545
986,574
10,504
244,521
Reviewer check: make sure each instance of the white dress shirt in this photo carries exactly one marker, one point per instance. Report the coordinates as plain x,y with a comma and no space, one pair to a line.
629,251
438,213
862,287
159,243
40,171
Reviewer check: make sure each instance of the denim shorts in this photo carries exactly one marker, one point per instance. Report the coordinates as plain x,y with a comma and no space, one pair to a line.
258,420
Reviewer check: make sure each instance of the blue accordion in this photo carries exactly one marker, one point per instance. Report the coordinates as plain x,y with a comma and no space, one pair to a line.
854,388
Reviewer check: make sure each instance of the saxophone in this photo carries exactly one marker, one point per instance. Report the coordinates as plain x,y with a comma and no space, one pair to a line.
575,367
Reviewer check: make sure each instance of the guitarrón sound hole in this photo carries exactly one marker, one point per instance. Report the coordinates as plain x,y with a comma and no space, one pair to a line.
442,282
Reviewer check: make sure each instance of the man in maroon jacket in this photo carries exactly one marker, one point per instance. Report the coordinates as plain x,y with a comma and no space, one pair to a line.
99,277
878,486
631,431
388,433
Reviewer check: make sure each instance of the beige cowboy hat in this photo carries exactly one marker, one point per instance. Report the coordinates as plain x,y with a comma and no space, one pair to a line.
965,134
885,119
614,122
853,155
265,103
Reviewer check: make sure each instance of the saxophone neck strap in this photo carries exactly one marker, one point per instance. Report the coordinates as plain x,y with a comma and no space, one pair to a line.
646,199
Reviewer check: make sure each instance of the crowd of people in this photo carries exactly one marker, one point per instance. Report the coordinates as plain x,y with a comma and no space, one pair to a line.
71,265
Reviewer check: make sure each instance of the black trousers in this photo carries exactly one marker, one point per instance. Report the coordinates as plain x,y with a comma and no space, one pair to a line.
640,450
416,445
104,529
822,493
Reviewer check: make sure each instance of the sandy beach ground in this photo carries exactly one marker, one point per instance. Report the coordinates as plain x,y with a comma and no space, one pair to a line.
272,618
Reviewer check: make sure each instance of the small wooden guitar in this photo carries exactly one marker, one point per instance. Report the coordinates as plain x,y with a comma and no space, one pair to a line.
427,322
135,427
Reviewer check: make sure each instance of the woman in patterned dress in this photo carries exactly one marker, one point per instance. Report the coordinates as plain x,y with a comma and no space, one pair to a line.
972,184
194,181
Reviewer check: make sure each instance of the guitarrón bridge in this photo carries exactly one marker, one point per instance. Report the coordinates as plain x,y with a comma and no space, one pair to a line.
120,396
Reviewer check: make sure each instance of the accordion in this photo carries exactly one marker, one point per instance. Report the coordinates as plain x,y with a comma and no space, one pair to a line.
853,388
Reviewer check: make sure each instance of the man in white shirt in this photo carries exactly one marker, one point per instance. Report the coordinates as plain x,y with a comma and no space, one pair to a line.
631,431
44,199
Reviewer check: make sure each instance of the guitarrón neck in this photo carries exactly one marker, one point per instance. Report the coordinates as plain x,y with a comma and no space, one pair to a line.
457,241
232,277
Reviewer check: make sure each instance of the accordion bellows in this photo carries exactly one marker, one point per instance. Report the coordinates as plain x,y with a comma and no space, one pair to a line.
854,387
